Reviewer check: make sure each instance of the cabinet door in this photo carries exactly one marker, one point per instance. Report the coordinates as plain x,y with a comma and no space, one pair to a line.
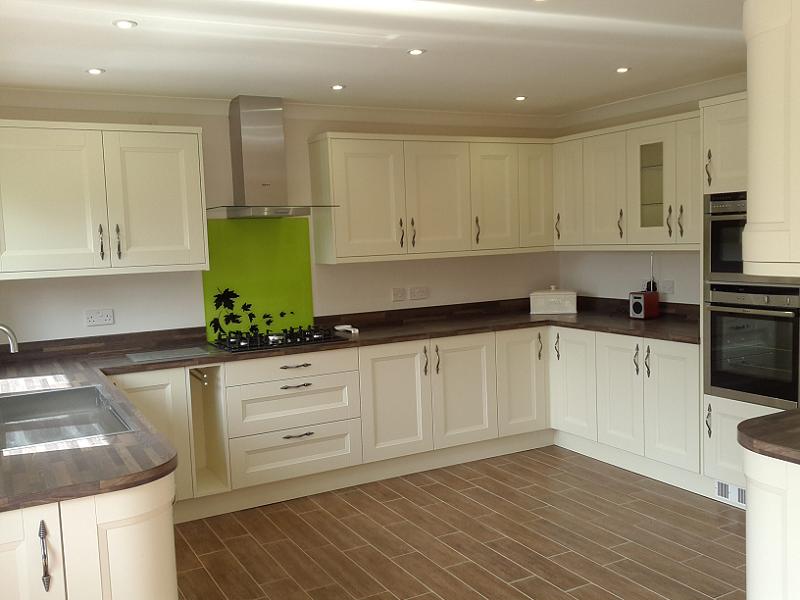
722,454
725,147
604,185
573,391
651,185
369,187
396,417
568,193
620,392
437,196
522,358
20,554
689,182
52,200
494,173
156,209
671,403
464,385
535,195
162,398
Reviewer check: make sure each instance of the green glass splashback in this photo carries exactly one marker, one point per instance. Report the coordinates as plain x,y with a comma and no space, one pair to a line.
268,263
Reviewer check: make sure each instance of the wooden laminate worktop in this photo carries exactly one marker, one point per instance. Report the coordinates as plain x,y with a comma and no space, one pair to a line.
133,458
776,435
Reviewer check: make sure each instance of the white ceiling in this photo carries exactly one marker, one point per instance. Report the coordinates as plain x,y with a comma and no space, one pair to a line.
562,54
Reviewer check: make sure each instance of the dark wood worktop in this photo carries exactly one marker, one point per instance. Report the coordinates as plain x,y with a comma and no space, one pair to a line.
134,458
776,435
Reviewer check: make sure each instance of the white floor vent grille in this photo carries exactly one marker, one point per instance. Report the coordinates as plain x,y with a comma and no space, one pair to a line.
731,494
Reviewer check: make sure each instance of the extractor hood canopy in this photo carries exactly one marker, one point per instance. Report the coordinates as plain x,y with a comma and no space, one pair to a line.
258,162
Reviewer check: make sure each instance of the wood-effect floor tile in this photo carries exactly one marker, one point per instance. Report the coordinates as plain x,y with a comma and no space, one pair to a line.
256,561
230,576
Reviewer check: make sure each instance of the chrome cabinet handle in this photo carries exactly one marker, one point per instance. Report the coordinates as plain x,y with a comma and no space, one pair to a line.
119,243
102,247
438,360
558,229
45,566
708,169
558,346
413,233
647,362
402,234
296,387
619,223
636,359
298,436
478,234
669,221
708,421
300,366
541,346
680,220
425,353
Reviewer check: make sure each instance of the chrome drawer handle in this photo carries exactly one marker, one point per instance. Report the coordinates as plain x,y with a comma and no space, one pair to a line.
438,360
302,366
425,353
647,362
413,234
45,566
708,421
296,387
402,234
619,223
636,359
708,171
669,220
558,346
119,243
680,220
558,229
102,247
541,346
478,234
298,436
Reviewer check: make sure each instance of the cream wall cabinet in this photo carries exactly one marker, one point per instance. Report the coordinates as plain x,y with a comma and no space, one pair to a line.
522,394
464,386
604,189
494,173
689,181
93,199
438,196
620,392
163,398
671,397
723,457
725,147
535,195
397,417
573,376
568,193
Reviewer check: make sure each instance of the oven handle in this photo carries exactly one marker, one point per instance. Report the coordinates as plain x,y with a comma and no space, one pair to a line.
726,217
781,314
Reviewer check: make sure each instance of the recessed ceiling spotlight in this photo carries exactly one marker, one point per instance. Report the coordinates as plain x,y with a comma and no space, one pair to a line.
337,87
521,98
124,24
95,71
622,70
417,51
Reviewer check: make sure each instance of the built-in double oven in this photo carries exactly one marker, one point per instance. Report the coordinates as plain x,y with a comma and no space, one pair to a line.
725,218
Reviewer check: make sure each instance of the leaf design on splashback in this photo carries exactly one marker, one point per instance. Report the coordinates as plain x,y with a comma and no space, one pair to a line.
232,318
216,326
225,299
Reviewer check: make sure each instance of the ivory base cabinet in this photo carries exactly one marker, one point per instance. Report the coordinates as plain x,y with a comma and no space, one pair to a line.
522,380
573,375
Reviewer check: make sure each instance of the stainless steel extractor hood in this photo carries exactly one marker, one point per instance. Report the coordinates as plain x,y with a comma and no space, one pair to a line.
258,162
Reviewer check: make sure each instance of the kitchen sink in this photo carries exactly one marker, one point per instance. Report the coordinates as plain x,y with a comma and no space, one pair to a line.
33,419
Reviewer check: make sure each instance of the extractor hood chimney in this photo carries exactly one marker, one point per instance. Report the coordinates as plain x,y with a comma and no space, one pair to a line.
258,161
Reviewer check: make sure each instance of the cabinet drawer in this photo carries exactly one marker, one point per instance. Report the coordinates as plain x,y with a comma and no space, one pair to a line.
293,365
274,405
289,453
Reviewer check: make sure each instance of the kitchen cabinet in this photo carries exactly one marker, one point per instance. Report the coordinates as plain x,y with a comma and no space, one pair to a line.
620,392
725,147
652,212
396,408
573,376
368,184
163,398
535,195
568,193
438,196
494,174
671,400
52,200
604,189
154,194
21,568
723,457
464,389
689,181
522,394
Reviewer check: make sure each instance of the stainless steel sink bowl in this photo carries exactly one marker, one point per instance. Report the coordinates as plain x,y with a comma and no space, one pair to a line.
37,418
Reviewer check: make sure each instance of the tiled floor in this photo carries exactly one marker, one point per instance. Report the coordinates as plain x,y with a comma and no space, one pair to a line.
545,524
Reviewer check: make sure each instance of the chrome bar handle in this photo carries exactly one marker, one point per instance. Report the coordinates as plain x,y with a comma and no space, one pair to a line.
119,243
541,346
102,247
402,234
438,360
708,169
619,223
558,346
558,229
680,220
669,220
300,366
478,234
425,354
636,359
296,387
413,233
45,566
647,362
708,421
298,436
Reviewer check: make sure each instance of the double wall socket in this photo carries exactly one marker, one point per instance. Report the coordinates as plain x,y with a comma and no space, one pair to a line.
96,317
401,294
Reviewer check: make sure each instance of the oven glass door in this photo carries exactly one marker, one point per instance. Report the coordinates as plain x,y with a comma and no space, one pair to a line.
725,243
754,351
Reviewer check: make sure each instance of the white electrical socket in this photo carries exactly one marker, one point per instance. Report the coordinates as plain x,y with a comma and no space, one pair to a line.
667,286
419,293
96,317
399,294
